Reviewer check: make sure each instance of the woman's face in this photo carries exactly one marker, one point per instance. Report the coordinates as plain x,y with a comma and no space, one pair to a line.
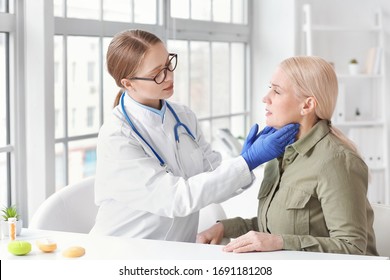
282,106
148,92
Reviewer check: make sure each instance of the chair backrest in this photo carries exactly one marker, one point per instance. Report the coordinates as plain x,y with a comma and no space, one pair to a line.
71,209
382,228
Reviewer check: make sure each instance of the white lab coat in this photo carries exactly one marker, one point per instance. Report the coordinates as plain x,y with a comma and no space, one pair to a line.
137,197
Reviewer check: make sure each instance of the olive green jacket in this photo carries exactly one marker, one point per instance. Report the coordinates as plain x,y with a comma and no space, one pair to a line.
315,198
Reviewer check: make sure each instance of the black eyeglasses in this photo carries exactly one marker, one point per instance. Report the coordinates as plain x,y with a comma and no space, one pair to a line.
160,77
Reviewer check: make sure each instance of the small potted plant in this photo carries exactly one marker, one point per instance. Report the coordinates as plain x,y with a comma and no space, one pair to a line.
353,66
11,212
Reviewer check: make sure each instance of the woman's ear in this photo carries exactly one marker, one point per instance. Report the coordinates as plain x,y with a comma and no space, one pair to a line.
309,105
126,84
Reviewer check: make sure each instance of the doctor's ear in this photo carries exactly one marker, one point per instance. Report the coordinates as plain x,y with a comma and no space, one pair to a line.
309,105
126,83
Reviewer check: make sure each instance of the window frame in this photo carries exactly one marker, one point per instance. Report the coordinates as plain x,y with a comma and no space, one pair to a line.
11,23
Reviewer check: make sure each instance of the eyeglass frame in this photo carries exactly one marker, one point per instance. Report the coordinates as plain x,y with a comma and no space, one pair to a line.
173,55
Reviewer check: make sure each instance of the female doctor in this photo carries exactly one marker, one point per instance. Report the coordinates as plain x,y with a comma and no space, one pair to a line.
155,170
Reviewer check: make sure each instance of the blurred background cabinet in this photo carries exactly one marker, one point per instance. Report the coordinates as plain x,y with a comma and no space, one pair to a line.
357,54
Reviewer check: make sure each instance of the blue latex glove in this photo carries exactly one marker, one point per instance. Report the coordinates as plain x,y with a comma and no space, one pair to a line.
269,144
253,135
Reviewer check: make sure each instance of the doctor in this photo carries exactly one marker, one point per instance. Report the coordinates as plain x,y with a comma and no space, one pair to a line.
155,170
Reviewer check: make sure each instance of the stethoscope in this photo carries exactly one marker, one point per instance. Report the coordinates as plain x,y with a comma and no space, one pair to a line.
178,124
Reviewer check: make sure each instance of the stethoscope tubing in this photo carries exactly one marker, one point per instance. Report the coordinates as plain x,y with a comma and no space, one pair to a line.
176,127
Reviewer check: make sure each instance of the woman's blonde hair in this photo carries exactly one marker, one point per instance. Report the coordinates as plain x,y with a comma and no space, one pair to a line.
312,76
125,54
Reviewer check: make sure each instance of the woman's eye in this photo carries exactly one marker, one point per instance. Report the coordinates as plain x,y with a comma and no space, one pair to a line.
276,91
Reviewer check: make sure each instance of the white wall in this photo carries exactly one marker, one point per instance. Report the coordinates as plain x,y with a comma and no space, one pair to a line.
273,39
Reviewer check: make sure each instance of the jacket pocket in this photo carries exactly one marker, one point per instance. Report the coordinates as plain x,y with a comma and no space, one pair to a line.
297,206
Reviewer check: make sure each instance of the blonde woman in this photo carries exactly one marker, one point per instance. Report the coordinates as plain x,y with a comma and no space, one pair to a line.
313,198
155,170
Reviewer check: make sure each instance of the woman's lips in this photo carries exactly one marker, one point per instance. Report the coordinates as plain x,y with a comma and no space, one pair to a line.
170,87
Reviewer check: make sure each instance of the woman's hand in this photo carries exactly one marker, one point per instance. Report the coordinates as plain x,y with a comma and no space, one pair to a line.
255,241
213,235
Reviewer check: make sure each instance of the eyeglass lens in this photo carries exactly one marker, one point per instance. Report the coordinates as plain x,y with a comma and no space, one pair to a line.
171,66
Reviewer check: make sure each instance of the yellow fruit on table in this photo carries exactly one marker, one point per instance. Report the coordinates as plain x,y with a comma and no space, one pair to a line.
19,248
46,245
73,252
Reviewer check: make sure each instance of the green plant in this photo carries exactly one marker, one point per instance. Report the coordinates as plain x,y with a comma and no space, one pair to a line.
10,212
353,61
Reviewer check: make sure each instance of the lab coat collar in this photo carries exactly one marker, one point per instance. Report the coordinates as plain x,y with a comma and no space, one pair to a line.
137,110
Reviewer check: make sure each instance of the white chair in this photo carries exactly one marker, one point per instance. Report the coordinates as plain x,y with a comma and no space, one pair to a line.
382,228
71,209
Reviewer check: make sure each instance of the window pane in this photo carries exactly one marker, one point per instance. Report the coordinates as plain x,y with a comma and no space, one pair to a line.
217,124
180,8
205,127
200,9
110,89
60,166
200,78
86,9
238,77
145,11
181,74
220,79
59,89
118,10
3,180
238,124
58,6
3,6
83,85
221,10
239,10
3,89
82,159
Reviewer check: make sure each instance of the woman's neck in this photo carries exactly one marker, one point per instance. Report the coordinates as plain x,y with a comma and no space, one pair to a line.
305,125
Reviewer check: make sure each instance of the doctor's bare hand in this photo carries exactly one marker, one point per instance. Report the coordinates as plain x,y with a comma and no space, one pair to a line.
212,235
255,241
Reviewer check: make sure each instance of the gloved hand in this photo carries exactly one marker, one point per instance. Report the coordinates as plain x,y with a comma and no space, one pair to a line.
269,144
252,136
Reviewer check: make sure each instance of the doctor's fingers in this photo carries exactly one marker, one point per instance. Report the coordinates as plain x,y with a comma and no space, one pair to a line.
286,133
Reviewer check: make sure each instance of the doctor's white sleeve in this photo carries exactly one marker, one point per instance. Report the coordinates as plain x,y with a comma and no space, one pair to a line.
127,175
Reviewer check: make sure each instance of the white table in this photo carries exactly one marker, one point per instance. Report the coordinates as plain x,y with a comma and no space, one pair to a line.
120,248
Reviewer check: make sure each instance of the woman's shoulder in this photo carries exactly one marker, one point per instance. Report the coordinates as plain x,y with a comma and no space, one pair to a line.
337,153
180,108
114,125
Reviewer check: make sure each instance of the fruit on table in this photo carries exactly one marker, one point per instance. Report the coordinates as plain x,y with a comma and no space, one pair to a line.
19,248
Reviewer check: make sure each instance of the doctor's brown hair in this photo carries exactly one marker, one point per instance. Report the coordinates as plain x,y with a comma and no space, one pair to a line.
125,54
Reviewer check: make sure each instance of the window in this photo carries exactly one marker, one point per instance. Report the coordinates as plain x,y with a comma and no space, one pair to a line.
210,78
5,148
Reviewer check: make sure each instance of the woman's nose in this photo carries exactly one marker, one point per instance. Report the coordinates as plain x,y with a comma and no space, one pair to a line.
266,98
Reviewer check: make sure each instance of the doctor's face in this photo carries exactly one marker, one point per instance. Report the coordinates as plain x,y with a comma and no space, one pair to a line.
282,105
148,92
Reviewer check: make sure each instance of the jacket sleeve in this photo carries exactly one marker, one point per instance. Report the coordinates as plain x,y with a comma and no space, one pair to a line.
125,173
236,227
343,201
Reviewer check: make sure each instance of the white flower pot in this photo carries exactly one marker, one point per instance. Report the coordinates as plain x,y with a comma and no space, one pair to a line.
5,227
353,68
